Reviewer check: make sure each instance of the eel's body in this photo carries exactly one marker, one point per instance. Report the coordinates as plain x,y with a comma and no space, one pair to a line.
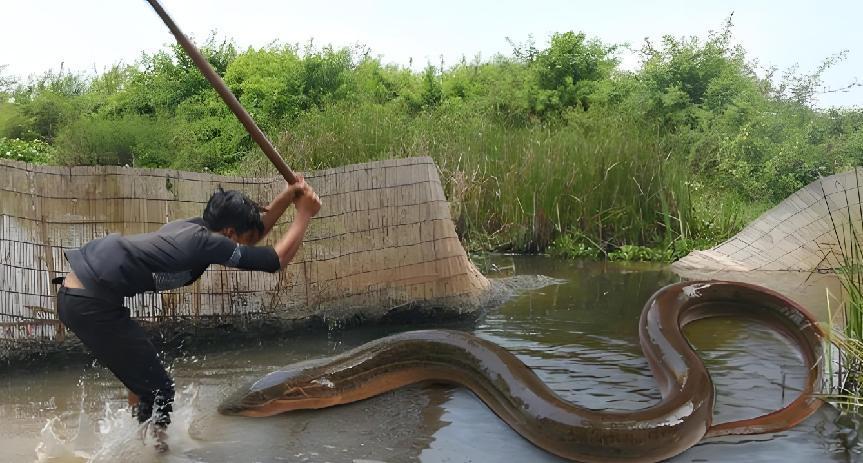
678,421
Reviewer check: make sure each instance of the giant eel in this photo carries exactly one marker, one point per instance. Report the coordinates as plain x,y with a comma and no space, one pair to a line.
681,419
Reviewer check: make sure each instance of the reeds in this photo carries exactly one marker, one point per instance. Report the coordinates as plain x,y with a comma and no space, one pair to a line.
845,365
603,178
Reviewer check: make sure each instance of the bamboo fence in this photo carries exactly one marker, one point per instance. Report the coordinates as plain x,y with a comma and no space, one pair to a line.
383,240
813,230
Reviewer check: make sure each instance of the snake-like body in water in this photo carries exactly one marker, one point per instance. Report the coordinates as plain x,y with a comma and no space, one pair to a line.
678,421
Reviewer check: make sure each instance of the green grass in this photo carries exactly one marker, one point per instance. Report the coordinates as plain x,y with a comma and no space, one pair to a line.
845,365
601,177
553,147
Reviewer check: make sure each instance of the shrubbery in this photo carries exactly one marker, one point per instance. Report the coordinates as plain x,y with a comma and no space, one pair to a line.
35,151
553,143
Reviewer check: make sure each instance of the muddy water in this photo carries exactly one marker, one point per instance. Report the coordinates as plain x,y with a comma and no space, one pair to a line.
580,337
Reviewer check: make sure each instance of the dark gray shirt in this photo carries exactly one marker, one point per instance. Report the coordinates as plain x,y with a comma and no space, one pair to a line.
175,255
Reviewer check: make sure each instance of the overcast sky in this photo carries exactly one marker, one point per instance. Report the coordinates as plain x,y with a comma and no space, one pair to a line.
88,35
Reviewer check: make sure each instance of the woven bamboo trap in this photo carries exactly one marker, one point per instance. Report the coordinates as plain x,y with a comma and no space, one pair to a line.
383,240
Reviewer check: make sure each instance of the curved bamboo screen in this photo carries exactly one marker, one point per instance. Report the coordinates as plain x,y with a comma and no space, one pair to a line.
812,230
383,239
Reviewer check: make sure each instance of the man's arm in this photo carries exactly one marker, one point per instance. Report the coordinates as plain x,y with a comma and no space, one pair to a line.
222,250
308,205
280,204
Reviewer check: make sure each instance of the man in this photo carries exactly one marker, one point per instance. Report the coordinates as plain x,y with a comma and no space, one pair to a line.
90,300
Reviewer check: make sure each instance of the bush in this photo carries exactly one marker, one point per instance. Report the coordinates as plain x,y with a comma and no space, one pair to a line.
132,140
547,143
34,151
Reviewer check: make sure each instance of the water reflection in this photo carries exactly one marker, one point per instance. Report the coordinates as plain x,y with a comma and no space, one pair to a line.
580,337
807,289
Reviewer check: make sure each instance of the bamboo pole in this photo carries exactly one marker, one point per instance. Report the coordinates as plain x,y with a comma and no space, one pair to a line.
226,94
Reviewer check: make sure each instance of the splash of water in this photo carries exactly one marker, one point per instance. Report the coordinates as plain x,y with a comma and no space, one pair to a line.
117,436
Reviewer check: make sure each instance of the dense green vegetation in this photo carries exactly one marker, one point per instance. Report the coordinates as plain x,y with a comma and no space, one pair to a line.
550,148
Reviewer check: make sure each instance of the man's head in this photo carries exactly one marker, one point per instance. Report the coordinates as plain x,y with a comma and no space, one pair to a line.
234,215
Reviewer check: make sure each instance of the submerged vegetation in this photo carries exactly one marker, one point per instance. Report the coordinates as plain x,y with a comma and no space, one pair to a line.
553,148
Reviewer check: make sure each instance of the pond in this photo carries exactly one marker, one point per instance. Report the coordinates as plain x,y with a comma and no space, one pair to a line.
579,336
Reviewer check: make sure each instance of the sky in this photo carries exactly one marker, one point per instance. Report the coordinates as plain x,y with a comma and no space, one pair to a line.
91,35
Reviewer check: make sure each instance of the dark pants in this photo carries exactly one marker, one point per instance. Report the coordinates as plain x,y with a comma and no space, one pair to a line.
105,327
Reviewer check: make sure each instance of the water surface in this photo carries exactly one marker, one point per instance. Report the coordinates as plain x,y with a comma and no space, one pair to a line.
580,337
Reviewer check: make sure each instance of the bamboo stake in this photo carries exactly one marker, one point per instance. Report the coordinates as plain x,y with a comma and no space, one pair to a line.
226,94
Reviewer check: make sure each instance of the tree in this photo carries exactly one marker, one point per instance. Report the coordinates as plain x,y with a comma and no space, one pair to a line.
569,68
6,82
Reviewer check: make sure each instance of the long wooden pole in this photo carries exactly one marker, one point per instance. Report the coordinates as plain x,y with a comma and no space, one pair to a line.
226,94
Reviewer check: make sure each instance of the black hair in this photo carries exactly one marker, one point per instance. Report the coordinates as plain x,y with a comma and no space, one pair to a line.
232,209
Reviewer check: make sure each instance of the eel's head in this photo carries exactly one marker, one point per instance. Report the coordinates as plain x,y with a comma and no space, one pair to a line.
301,386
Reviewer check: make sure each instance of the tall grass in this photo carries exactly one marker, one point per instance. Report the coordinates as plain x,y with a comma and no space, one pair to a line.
131,140
845,381
599,177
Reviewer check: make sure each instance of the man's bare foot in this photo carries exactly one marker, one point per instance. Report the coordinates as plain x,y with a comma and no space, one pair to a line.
161,447
160,432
